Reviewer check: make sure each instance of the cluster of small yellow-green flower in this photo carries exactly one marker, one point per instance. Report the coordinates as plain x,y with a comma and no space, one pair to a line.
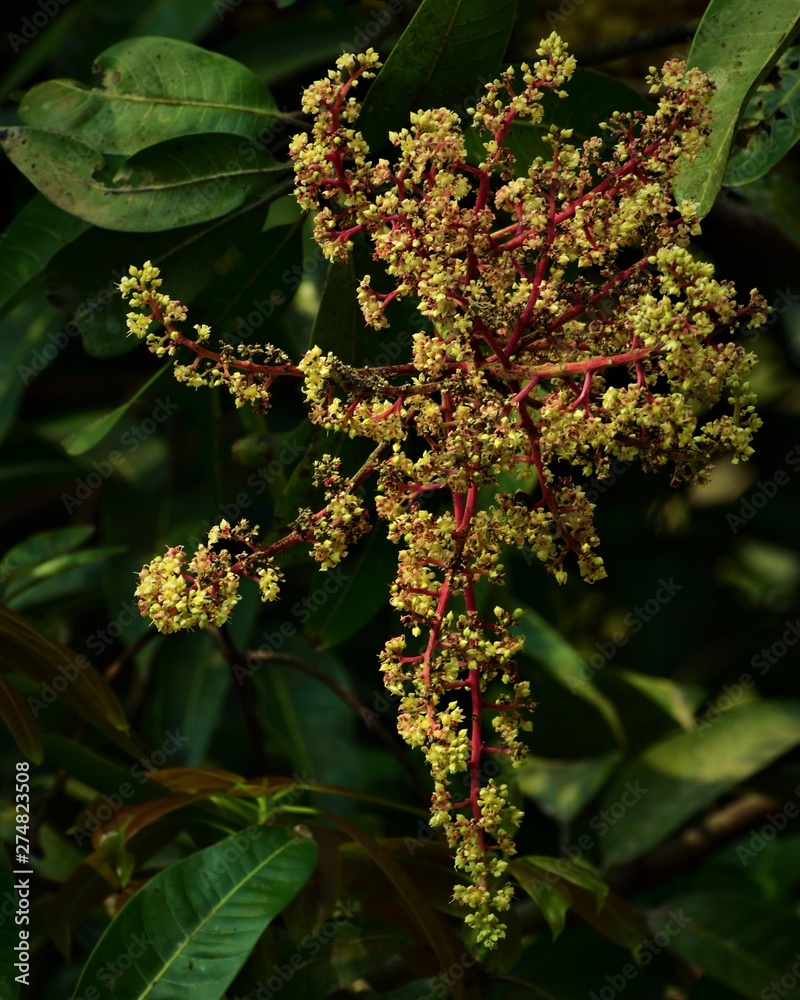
176,593
342,521
179,594
246,371
141,288
569,326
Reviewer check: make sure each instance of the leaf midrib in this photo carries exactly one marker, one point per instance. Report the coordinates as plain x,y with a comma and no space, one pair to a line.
211,913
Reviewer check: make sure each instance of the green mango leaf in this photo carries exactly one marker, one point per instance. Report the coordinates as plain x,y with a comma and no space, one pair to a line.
153,89
175,183
557,884
737,42
676,777
678,701
437,932
34,236
98,772
339,322
9,934
60,577
567,666
747,944
39,548
190,683
770,123
561,788
778,197
61,673
195,924
364,590
186,19
551,898
59,855
19,721
448,52
81,441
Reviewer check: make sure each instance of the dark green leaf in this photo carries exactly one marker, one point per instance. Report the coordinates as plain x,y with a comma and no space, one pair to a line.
197,922
19,721
448,52
673,779
561,788
567,666
361,591
770,123
176,183
678,701
745,943
36,233
153,89
736,43
93,433
62,674
39,548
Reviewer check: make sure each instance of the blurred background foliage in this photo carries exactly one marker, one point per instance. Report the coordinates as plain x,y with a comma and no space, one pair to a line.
644,678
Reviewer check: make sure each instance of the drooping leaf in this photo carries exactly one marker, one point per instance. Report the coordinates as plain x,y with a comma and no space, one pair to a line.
443,58
23,583
191,680
674,778
567,666
153,89
678,701
44,545
736,43
19,721
61,673
36,233
558,884
770,123
176,183
362,592
87,437
437,932
747,944
561,788
551,898
198,921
